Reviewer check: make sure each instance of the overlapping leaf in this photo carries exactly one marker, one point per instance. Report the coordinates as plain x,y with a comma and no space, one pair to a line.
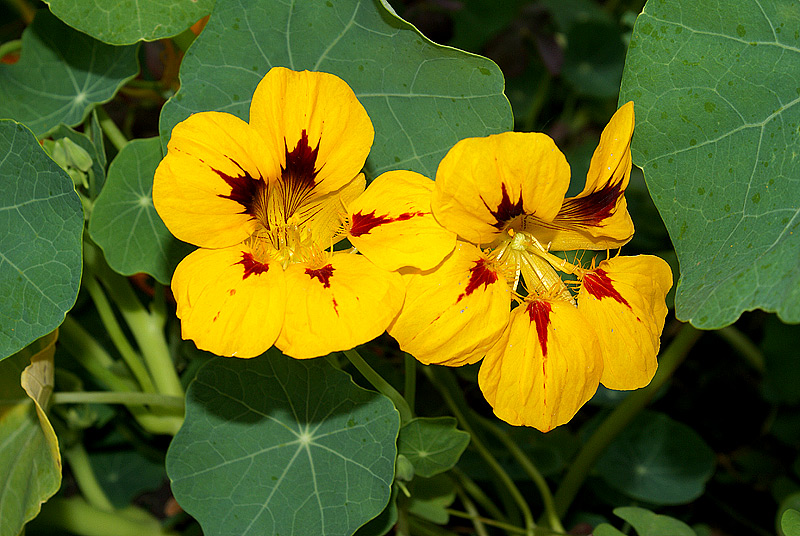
60,75
275,445
421,97
123,23
29,458
124,221
717,94
432,445
41,223
646,523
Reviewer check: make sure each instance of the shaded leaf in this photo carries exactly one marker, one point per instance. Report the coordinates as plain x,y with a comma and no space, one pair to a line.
790,523
126,473
123,23
421,97
30,463
275,445
124,221
717,94
648,523
430,498
432,444
41,224
658,460
60,75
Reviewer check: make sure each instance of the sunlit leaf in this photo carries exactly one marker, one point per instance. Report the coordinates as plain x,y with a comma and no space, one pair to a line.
658,460
432,445
421,97
124,221
60,75
123,23
30,463
41,223
275,445
717,93
790,523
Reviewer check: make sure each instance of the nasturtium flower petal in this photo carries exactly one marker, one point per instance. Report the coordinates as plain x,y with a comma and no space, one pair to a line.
288,104
392,223
323,216
455,312
544,368
337,305
484,184
623,299
230,303
598,217
211,158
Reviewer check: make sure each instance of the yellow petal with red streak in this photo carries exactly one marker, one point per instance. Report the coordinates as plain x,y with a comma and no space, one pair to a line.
228,302
454,312
544,368
624,300
346,302
392,223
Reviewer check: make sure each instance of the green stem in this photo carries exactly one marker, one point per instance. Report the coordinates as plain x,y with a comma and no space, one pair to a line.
472,514
380,384
477,493
76,516
410,389
528,466
10,46
743,346
499,524
109,320
111,129
116,397
84,476
444,383
622,415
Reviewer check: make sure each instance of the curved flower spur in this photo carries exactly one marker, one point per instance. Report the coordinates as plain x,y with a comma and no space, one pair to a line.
503,196
267,201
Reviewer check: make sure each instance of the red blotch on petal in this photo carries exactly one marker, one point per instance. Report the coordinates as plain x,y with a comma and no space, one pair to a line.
598,284
364,223
480,274
539,313
323,275
245,189
251,267
299,173
506,210
590,210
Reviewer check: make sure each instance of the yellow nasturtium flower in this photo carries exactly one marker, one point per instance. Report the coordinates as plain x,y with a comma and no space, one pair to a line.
503,196
267,200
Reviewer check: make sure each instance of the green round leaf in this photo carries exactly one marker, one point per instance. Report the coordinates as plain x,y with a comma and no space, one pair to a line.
41,224
123,23
648,523
716,94
657,460
60,75
790,523
432,444
421,97
275,445
29,458
790,503
124,221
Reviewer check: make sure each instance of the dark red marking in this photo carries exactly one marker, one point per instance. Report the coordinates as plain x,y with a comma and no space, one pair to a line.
598,284
232,292
590,210
364,223
251,266
298,175
539,313
245,189
506,210
480,274
323,275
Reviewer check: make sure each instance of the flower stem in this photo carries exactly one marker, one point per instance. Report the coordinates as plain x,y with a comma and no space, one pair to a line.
10,46
472,514
499,524
477,493
528,466
622,415
447,388
111,129
87,481
410,389
117,397
380,384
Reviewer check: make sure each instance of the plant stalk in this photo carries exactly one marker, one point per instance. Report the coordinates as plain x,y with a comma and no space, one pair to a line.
380,384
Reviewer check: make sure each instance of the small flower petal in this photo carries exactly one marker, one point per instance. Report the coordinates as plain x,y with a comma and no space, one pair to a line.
483,184
623,298
337,306
288,105
215,163
455,312
228,302
392,223
544,368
